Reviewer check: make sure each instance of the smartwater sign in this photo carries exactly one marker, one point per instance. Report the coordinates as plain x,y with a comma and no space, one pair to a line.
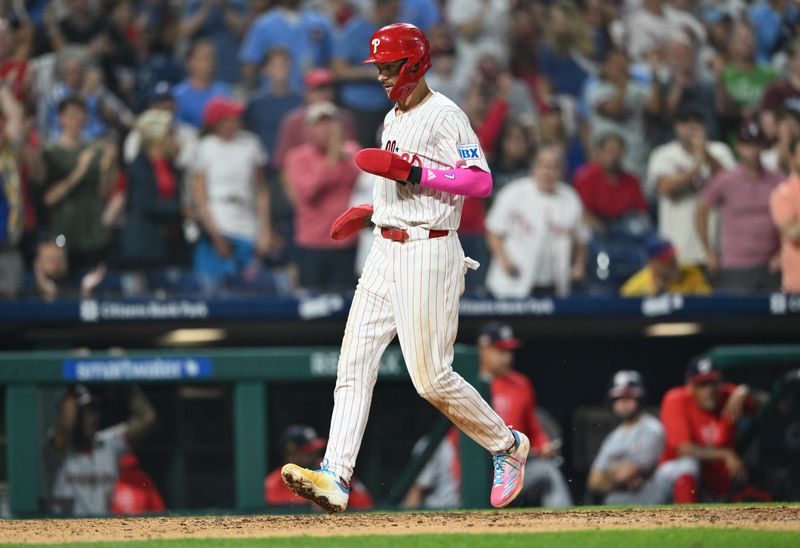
137,369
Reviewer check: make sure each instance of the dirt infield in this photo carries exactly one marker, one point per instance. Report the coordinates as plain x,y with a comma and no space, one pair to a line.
785,518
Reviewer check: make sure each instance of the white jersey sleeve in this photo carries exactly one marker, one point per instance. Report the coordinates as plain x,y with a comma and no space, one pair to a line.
457,144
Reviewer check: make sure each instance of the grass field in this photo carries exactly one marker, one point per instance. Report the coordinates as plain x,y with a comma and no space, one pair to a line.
697,526
696,538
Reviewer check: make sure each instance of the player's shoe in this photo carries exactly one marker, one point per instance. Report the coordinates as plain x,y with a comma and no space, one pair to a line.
321,486
509,471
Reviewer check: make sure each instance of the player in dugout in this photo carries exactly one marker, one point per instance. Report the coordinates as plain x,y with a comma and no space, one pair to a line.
301,444
700,461
83,461
412,280
622,471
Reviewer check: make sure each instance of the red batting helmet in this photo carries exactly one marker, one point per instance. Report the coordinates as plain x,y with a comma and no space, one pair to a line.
401,41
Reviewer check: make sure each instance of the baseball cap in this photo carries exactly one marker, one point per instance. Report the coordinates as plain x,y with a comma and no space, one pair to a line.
750,132
316,111
626,384
219,108
702,369
162,91
301,438
689,112
659,249
499,335
319,77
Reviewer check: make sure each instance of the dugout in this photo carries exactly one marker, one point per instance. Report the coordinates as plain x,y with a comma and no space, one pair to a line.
245,388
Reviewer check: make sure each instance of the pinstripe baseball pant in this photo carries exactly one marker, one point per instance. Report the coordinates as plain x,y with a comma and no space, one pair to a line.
409,289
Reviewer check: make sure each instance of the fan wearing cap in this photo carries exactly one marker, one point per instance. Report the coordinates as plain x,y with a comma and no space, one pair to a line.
81,459
700,420
319,88
784,93
623,468
514,399
320,176
750,246
231,196
301,444
663,274
677,173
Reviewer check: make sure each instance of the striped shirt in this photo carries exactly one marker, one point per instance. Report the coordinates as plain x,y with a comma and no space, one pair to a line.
435,134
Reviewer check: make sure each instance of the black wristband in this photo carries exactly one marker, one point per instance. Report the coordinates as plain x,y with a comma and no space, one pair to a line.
415,176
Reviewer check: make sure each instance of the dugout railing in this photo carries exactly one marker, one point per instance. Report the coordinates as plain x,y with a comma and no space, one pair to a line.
25,374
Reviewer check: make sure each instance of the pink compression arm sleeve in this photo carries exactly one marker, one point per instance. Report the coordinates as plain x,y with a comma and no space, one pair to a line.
466,181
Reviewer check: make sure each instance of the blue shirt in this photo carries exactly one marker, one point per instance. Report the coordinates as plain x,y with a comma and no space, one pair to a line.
214,29
191,102
421,13
768,26
264,115
352,46
307,38
566,76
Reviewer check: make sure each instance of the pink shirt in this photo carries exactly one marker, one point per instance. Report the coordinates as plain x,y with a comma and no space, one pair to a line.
749,237
322,193
785,211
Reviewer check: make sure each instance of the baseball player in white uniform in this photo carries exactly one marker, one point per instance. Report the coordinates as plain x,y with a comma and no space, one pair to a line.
414,275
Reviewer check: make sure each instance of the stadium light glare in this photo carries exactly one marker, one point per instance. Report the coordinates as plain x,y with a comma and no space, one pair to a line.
180,337
678,329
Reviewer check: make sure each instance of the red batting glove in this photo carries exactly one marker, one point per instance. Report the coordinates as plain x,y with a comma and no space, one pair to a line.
351,221
383,163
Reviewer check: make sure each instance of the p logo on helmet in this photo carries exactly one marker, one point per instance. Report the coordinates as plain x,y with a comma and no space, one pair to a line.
402,41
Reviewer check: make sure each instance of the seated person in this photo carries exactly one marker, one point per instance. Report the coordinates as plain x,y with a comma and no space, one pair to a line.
607,191
622,471
52,278
663,274
700,420
301,445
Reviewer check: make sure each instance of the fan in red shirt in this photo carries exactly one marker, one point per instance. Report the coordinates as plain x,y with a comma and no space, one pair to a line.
607,192
513,398
302,445
700,420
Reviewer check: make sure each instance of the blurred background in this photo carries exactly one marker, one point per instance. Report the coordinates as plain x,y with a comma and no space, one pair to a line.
170,169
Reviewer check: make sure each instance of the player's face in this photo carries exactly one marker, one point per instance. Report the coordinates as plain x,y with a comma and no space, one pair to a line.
705,394
388,73
496,361
625,408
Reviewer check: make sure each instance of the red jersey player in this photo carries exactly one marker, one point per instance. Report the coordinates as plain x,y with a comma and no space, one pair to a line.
700,421
513,398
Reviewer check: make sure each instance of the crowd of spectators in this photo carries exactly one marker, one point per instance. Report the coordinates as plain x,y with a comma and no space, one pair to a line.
205,145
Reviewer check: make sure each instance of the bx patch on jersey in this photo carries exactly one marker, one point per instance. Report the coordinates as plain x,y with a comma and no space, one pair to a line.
469,152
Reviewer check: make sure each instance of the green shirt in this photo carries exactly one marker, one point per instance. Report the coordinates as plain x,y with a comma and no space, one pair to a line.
78,216
747,86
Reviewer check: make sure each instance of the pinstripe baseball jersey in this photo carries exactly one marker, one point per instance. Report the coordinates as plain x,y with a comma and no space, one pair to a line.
435,134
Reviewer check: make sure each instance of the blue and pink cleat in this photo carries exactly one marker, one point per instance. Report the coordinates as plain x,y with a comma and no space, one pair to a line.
509,471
